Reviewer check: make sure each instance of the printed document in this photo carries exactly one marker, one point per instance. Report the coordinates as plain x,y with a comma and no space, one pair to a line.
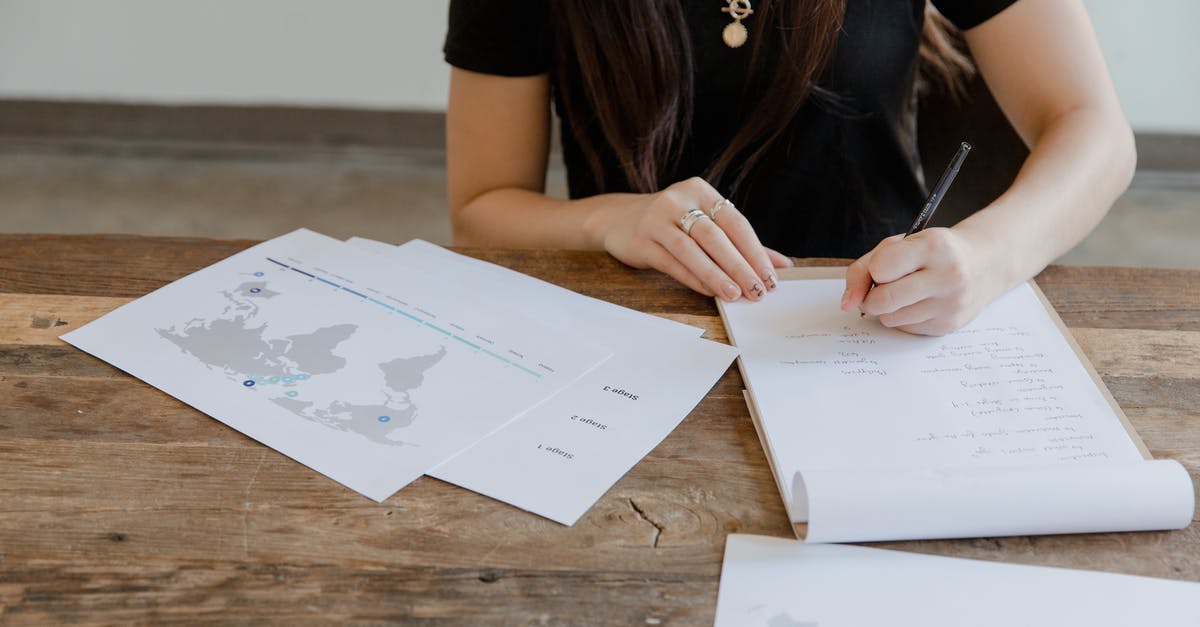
370,372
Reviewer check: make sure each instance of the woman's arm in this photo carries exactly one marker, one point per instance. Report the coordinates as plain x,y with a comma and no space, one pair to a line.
1041,60
498,136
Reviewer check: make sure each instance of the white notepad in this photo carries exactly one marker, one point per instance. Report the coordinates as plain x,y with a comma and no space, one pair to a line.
1001,428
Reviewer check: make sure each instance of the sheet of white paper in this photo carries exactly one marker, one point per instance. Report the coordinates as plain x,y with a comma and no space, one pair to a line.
773,582
370,373
563,455
553,304
854,505
837,392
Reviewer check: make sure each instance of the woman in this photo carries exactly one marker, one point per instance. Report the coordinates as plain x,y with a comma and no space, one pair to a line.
808,128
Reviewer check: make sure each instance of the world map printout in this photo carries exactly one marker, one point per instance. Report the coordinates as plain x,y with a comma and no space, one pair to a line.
370,372
239,344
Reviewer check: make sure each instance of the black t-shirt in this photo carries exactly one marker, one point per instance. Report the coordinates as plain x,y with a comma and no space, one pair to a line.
845,173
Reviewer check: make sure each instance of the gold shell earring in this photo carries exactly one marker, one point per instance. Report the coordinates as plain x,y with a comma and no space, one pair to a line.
735,32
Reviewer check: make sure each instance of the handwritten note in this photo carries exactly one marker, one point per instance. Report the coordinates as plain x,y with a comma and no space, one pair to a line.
838,395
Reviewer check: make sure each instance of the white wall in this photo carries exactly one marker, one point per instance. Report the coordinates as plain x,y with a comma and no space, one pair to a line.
353,53
387,53
1153,52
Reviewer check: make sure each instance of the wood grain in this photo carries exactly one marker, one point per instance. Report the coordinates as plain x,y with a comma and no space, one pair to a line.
325,594
33,319
103,265
1129,298
119,504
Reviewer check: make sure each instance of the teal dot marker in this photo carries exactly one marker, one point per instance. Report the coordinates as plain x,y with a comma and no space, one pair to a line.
273,380
287,379
301,377
293,394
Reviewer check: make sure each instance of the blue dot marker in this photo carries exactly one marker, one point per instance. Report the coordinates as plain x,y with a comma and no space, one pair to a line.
258,274
384,418
254,290
248,383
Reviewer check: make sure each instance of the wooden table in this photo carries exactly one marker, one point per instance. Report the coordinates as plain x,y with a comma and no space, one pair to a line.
118,503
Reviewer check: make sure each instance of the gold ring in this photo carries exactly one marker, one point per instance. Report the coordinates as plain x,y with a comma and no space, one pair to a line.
687,220
720,204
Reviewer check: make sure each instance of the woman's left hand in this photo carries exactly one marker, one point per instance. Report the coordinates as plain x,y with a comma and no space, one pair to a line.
929,283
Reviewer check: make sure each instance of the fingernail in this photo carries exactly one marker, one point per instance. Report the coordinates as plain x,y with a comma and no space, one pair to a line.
769,279
731,292
845,297
756,291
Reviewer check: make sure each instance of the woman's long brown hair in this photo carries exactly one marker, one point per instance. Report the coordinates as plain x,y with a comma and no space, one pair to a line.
634,59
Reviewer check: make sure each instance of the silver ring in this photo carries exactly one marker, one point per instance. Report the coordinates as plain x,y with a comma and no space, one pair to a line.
687,220
721,204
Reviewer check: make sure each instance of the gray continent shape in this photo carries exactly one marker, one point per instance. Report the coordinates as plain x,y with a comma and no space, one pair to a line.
230,344
408,373
354,418
313,352
402,375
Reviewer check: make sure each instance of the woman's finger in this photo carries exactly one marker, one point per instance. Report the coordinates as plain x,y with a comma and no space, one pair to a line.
914,314
896,257
887,298
936,326
717,246
687,252
858,282
892,258
663,261
738,230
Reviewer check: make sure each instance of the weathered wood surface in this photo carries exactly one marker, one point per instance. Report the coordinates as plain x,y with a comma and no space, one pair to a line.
119,504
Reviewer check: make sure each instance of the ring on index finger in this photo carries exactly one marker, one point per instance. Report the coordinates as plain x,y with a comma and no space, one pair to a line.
687,220
720,204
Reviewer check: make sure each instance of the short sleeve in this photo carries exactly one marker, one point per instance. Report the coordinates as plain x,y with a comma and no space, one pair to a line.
970,13
502,37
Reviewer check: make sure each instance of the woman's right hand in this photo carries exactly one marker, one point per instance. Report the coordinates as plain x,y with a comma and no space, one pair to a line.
720,256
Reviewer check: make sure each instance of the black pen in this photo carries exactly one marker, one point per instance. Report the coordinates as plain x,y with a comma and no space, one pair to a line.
935,196
939,190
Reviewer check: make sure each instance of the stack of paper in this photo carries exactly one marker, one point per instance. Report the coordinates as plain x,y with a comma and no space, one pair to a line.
374,365
560,457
